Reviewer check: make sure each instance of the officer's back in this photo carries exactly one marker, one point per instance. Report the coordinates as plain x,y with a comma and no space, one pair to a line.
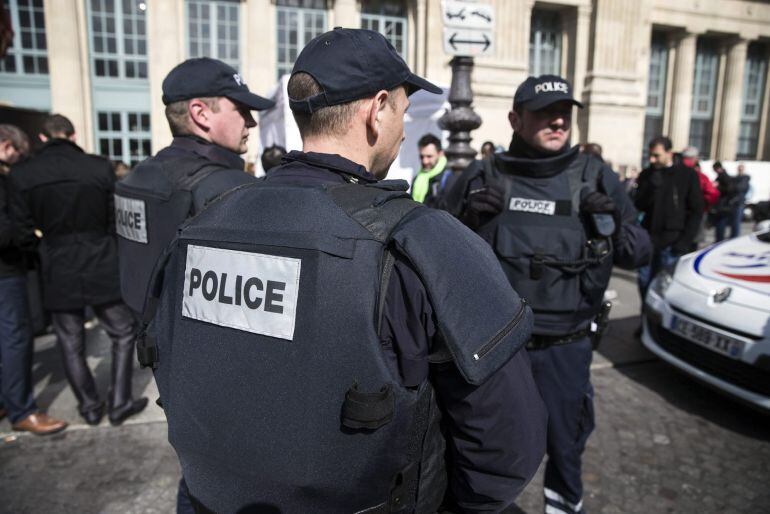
208,111
297,317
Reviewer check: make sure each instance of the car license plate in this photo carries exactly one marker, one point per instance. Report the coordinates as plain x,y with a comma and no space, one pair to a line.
703,336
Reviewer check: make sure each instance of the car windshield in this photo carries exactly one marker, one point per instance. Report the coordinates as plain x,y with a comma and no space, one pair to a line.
764,236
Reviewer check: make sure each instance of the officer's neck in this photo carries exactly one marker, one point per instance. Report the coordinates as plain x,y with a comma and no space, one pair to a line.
344,147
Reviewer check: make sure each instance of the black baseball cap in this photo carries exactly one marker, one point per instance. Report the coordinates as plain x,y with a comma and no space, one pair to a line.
350,64
536,93
203,76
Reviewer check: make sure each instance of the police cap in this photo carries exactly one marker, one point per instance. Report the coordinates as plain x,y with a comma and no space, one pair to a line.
536,93
202,77
350,64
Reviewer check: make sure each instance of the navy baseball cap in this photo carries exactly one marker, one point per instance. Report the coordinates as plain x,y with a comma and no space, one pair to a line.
536,93
203,76
350,64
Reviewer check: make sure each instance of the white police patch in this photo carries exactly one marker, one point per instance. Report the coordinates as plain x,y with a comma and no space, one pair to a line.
547,207
243,290
130,220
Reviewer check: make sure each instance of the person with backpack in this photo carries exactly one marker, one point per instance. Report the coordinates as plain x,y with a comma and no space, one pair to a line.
558,220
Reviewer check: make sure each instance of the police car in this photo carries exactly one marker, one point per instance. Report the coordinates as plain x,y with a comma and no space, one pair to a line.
711,317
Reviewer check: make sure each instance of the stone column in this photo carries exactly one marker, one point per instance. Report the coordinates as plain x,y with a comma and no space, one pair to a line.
166,49
615,82
681,101
732,100
69,66
763,148
421,36
259,58
578,30
346,13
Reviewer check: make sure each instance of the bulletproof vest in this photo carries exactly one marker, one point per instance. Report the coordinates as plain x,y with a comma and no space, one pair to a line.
546,247
268,358
150,204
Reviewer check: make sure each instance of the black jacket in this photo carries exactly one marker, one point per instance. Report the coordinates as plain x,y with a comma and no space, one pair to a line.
11,255
672,202
67,194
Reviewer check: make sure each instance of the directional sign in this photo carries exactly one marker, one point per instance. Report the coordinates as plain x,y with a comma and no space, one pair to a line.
468,28
471,42
468,15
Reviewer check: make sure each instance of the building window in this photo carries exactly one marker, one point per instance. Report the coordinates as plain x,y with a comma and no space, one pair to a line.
389,18
28,51
703,96
545,43
124,136
299,21
119,38
751,111
656,91
213,30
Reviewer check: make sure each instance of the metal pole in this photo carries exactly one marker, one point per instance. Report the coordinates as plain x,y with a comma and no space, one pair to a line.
461,118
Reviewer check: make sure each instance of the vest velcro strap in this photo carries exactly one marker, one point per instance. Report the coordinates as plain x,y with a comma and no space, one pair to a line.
370,411
536,267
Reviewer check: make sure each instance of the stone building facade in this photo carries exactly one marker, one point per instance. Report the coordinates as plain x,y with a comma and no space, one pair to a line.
696,70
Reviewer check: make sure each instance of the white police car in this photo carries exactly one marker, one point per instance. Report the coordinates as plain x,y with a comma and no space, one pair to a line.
711,318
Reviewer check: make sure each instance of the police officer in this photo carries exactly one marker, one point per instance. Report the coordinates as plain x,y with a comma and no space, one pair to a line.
67,195
208,108
326,344
557,220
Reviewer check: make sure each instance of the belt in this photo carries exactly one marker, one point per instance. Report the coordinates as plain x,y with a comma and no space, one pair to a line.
540,342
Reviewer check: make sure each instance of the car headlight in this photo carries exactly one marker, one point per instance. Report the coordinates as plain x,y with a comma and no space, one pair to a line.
661,283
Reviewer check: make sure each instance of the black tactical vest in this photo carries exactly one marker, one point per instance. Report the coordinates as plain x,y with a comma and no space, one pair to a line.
150,204
268,359
545,246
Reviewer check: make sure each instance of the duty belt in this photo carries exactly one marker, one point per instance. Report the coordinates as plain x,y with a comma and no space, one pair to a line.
540,342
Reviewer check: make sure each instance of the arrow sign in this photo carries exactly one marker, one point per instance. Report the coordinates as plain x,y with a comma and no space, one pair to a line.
467,15
468,42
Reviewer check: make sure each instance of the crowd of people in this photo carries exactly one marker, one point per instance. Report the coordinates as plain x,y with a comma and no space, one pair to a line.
414,351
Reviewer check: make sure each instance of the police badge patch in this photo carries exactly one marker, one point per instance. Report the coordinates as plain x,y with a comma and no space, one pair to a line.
242,290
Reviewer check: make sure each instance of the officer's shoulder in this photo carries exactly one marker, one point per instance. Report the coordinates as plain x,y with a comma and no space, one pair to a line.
433,223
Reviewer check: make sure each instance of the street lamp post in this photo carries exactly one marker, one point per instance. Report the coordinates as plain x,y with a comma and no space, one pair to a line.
461,118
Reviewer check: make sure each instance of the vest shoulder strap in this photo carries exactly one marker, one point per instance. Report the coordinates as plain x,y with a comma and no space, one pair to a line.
379,208
187,172
585,172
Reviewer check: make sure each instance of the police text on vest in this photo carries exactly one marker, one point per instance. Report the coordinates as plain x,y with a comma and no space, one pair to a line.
130,221
243,290
547,207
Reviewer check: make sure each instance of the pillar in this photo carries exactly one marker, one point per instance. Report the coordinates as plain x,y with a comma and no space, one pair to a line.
732,100
166,49
69,66
681,98
346,13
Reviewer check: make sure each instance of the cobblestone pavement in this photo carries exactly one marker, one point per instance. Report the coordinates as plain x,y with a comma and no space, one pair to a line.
663,443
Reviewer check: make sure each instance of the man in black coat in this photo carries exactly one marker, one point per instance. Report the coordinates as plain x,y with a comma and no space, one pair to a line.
68,195
670,197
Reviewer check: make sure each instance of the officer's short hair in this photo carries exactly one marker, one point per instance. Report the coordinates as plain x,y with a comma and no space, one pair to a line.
57,125
663,141
429,139
331,120
178,114
16,136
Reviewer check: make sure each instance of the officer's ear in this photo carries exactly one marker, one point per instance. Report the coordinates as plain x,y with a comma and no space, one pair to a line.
515,120
199,112
375,114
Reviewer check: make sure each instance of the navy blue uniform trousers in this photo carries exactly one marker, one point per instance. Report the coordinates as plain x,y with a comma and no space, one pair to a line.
563,374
